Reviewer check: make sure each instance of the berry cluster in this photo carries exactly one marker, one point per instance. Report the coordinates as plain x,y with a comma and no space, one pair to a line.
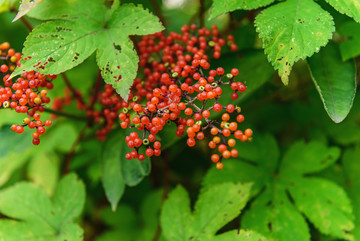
25,95
181,88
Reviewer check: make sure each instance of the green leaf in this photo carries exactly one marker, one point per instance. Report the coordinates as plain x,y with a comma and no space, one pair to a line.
6,5
34,216
330,215
59,45
176,215
14,142
43,170
272,212
117,171
241,235
350,48
25,7
291,31
335,81
112,180
351,165
224,6
349,7
178,223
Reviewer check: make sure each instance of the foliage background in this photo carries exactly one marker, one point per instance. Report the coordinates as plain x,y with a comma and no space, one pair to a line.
281,117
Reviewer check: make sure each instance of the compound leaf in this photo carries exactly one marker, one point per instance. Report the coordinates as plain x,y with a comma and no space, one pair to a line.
330,215
348,7
335,81
291,31
176,215
178,223
25,7
59,45
224,6
34,216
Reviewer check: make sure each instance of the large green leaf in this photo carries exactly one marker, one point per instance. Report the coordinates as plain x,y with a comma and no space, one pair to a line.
86,26
272,212
335,81
293,30
117,171
224,6
34,216
215,207
14,142
350,48
348,7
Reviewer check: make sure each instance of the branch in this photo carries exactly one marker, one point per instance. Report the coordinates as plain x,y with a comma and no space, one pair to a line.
96,91
73,148
74,92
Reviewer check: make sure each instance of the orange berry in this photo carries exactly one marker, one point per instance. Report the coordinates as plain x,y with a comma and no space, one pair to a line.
231,142
233,126
234,153
215,158
248,132
225,117
226,154
216,139
212,144
222,148
219,165
226,132
200,135
214,131
240,118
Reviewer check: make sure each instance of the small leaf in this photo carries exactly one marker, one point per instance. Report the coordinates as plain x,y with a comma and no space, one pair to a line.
350,48
348,7
33,216
117,171
291,31
335,81
224,6
25,7
112,179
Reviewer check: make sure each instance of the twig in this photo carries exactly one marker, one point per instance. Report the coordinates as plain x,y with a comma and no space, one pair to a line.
165,189
73,149
158,11
202,13
23,20
96,91
74,92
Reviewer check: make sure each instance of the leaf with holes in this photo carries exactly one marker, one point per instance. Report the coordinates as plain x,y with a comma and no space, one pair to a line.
86,27
291,31
283,191
34,216
348,7
223,6
25,7
180,224
335,81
